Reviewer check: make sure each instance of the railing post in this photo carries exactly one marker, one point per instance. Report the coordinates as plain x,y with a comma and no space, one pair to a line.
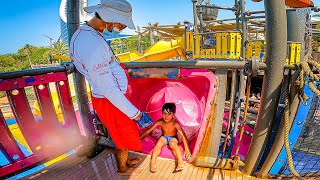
73,7
276,38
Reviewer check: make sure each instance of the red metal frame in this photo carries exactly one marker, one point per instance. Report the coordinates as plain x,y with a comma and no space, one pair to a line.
47,138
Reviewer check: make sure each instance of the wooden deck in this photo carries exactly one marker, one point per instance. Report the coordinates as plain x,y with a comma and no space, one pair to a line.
104,167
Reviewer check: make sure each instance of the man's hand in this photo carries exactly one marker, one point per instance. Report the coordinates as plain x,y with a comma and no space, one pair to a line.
144,120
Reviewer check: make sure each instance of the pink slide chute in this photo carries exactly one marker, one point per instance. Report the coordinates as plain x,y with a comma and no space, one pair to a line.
193,94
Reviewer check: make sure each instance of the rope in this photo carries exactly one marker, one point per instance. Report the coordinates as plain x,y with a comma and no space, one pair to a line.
305,71
244,119
287,131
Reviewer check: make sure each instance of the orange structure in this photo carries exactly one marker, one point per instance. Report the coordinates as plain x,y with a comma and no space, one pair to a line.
299,3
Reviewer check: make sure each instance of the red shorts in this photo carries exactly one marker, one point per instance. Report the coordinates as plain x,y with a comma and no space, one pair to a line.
122,129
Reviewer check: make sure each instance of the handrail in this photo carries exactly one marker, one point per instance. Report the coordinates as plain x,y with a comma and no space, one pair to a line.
65,67
213,65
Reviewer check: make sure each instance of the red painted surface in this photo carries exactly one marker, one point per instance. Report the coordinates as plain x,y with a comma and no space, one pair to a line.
46,106
7,143
11,168
47,138
17,83
70,119
30,128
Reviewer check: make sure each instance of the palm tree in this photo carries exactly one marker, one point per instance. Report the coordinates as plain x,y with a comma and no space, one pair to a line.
60,48
26,50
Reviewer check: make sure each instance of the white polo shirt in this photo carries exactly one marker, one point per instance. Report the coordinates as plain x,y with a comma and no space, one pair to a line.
94,58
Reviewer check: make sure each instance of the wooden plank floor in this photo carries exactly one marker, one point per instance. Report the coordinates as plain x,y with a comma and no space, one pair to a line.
104,167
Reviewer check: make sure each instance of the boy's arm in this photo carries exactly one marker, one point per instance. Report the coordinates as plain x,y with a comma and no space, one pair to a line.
184,140
143,135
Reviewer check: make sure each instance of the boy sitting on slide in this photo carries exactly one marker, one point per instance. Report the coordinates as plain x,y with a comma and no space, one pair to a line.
170,127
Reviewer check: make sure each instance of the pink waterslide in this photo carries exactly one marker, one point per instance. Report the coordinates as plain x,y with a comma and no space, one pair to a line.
193,93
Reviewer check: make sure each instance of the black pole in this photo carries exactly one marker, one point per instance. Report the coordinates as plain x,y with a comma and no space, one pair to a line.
73,22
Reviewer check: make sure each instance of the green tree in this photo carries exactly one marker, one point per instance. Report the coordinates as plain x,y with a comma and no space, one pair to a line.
58,48
30,55
40,55
26,50
8,63
129,44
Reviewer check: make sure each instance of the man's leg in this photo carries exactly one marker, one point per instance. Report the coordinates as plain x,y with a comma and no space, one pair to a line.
122,157
132,162
155,153
177,153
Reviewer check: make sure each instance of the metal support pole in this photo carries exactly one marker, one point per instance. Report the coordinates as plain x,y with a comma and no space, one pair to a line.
195,24
216,7
220,20
205,64
295,31
201,26
38,71
242,83
294,34
232,104
249,13
244,41
151,31
79,80
255,17
237,13
276,38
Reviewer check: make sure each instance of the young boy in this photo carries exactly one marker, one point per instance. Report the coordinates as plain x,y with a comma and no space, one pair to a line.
170,127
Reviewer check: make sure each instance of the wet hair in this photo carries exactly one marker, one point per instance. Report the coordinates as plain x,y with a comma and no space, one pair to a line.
169,107
97,15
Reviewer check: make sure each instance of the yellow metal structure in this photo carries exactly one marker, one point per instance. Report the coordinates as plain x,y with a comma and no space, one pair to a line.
294,53
189,41
61,57
228,46
254,48
162,50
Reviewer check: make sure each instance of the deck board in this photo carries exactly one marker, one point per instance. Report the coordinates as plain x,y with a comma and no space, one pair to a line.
104,167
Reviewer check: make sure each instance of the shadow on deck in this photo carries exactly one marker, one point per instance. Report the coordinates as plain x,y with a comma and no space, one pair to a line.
104,167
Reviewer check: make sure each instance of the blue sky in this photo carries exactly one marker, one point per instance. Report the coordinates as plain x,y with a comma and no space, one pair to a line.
25,22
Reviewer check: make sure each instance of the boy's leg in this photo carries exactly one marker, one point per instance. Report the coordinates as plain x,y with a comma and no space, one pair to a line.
122,157
155,153
177,153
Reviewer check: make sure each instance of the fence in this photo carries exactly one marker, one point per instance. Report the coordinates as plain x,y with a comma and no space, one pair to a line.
41,137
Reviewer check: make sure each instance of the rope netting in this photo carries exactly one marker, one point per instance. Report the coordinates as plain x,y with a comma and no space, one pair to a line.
306,152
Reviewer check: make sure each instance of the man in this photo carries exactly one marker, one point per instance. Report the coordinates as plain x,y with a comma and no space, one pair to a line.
93,58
